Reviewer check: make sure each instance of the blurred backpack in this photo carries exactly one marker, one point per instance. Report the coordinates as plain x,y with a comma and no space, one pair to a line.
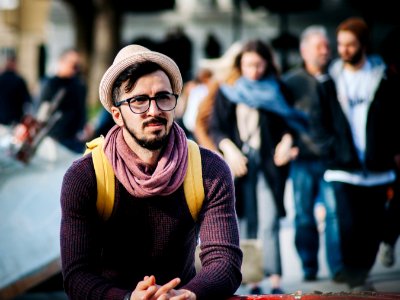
192,184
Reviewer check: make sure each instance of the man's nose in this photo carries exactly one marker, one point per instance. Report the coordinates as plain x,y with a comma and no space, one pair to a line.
153,108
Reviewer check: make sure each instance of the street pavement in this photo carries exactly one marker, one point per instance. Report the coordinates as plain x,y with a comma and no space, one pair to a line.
382,278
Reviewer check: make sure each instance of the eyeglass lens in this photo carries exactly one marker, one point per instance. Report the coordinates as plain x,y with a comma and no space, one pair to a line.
164,102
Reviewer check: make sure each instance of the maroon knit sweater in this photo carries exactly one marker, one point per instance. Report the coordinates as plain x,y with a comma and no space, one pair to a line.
149,236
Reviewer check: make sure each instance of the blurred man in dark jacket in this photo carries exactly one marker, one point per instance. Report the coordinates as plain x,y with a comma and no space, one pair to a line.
14,94
307,168
67,83
355,121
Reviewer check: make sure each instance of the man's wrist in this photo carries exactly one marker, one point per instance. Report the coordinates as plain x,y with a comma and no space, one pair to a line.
128,296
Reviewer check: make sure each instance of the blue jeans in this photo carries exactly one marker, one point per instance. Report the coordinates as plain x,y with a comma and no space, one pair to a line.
332,231
268,228
309,187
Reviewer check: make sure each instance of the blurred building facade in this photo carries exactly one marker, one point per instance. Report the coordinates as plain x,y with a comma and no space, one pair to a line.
38,30
23,32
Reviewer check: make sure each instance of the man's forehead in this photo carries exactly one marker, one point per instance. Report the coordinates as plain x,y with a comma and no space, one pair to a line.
154,80
346,35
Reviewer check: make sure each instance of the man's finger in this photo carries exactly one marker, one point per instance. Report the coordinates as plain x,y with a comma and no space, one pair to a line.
146,283
168,286
149,294
184,296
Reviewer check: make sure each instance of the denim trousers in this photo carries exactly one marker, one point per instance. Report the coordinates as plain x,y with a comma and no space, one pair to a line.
268,228
310,188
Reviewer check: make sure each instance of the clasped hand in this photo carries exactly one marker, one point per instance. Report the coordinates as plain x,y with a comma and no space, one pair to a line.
285,151
235,159
147,289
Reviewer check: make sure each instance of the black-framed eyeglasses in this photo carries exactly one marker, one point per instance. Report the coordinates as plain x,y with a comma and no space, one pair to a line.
140,104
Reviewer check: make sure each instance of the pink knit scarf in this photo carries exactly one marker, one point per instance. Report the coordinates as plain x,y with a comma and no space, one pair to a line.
136,176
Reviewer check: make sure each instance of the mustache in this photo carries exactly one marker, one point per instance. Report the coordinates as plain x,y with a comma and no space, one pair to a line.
156,119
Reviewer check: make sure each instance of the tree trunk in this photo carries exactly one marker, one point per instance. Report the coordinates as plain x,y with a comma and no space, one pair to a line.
97,28
106,43
84,14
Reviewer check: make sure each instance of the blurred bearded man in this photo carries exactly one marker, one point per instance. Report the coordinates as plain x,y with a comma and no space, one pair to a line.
354,121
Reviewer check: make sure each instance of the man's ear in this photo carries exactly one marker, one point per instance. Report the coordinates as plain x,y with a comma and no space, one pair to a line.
116,114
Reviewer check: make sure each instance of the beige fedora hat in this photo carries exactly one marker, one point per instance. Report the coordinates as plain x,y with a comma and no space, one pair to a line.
130,55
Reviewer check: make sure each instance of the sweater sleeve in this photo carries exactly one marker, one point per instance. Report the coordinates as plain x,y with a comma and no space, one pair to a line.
220,255
79,236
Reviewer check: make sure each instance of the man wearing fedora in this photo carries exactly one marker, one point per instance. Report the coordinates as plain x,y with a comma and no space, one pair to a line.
145,250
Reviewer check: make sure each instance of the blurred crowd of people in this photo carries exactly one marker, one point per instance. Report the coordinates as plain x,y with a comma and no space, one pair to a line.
327,125
65,90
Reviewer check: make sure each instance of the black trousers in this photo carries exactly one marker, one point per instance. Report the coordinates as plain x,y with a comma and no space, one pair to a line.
391,229
361,215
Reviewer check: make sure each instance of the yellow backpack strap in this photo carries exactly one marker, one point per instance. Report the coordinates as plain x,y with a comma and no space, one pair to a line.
193,182
104,177
93,144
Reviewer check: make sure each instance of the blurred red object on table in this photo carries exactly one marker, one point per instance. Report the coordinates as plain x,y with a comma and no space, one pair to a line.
321,296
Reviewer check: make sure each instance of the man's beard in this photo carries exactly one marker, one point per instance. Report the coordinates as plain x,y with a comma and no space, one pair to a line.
156,143
356,58
153,144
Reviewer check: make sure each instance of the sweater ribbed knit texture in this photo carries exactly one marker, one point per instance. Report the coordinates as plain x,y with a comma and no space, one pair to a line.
149,236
